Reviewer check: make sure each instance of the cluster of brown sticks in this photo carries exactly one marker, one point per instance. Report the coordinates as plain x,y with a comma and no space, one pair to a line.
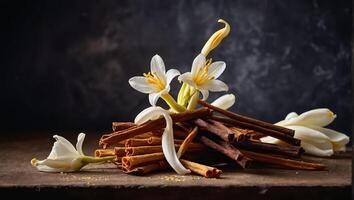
199,134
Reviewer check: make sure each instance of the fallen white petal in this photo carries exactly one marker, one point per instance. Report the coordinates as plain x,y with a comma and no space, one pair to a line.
80,141
339,148
338,139
62,147
225,101
315,150
302,132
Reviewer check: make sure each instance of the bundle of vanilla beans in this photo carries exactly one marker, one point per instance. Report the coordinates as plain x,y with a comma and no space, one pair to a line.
205,135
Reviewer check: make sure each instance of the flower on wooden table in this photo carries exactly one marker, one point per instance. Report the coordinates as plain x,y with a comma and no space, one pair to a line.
309,128
65,158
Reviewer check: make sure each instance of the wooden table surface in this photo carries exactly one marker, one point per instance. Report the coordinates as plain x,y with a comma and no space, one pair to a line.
18,177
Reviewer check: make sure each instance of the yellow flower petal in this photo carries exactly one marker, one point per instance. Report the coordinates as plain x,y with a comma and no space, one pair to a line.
216,38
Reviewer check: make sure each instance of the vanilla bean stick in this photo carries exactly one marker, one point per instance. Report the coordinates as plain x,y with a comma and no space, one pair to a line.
186,143
131,151
145,169
217,128
118,126
293,151
227,150
130,162
151,141
206,171
152,125
104,152
286,138
284,162
249,120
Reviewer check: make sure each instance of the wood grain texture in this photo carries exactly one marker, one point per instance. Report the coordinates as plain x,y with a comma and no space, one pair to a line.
18,177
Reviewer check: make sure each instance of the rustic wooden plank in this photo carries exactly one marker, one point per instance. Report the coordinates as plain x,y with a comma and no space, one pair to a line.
18,177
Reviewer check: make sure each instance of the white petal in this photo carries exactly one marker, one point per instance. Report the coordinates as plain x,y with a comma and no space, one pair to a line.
158,66
205,94
317,117
139,83
198,62
316,150
270,140
338,148
80,141
339,140
305,133
216,69
153,97
58,163
45,168
62,148
187,78
214,86
144,115
291,115
168,146
171,74
225,101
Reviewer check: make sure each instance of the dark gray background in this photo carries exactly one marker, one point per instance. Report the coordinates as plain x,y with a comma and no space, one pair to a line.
66,64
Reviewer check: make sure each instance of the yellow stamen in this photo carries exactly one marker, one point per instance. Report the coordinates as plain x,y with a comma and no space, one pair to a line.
152,78
202,76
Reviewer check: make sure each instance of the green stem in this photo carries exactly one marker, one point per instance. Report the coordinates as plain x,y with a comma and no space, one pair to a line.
193,102
90,159
180,93
172,103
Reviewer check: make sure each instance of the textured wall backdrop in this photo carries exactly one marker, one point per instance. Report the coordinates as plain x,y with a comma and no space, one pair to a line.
67,63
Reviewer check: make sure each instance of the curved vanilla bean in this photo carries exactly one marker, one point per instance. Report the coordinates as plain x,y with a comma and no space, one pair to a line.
145,169
284,162
242,118
187,142
286,138
227,150
118,126
217,128
292,151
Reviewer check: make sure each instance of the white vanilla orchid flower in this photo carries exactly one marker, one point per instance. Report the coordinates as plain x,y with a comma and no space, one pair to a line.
65,158
156,82
309,128
203,76
168,146
225,101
